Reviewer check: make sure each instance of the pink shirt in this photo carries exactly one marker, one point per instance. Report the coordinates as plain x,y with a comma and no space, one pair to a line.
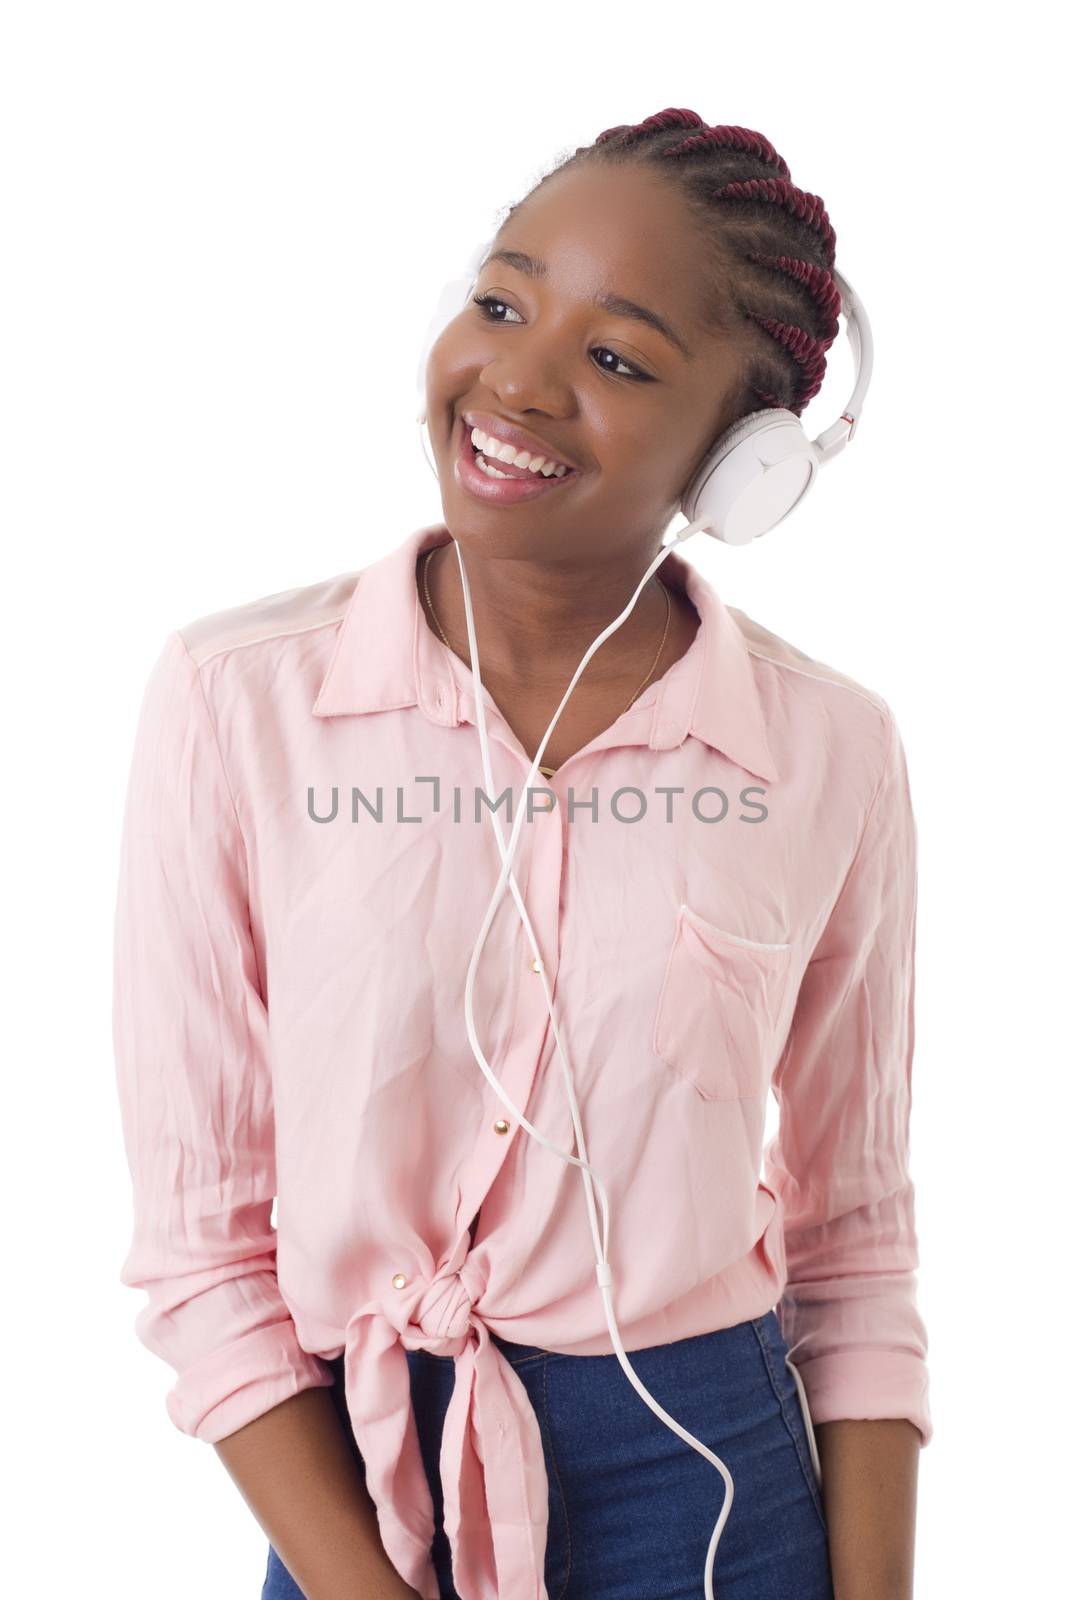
736,917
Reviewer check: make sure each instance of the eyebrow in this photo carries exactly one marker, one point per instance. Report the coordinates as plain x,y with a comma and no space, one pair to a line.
534,267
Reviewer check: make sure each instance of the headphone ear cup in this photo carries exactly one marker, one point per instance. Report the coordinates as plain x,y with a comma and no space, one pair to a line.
753,476
453,298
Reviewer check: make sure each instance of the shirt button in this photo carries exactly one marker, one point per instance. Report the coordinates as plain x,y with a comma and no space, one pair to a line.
399,1280
501,1125
535,964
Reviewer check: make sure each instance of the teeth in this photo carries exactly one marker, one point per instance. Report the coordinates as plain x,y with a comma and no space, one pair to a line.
518,458
488,468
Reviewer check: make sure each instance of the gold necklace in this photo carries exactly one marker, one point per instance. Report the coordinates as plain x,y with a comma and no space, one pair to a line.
548,771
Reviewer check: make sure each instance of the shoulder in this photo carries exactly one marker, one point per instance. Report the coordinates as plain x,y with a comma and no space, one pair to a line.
804,675
269,620
787,660
815,707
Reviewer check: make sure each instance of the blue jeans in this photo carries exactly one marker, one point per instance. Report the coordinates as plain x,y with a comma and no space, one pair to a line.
632,1507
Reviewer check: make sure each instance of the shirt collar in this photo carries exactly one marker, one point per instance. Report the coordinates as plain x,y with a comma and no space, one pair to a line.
387,656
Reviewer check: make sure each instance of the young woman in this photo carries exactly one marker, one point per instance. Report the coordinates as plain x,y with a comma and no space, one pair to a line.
412,1381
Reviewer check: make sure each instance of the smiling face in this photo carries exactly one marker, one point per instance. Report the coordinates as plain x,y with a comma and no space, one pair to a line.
548,354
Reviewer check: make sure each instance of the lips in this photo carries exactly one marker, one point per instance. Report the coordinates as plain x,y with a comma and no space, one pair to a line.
501,492
509,433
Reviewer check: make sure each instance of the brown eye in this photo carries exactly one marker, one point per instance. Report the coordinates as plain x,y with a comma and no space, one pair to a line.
484,301
633,374
631,370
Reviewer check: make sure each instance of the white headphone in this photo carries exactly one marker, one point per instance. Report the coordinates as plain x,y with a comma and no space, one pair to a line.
758,470
754,475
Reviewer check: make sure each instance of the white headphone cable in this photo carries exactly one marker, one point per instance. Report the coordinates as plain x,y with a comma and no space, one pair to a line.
589,1175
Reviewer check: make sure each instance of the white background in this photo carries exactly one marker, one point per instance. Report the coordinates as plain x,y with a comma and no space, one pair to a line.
224,230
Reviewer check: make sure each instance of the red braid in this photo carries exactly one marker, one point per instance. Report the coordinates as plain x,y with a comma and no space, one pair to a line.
825,294
809,351
808,207
628,133
728,137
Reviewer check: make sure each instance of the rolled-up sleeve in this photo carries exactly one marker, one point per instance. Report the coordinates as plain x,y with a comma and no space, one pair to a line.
840,1157
192,1059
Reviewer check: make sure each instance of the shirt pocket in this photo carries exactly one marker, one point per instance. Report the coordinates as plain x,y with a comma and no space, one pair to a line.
719,1004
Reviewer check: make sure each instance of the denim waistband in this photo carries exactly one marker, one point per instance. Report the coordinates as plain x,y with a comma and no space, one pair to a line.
515,1352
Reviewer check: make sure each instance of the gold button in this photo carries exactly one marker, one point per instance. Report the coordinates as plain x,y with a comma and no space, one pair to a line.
399,1280
501,1126
535,964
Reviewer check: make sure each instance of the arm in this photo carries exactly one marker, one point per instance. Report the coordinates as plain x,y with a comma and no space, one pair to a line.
195,1092
296,1471
839,1162
870,1473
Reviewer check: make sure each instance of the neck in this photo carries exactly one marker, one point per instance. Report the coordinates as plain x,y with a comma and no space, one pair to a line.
536,621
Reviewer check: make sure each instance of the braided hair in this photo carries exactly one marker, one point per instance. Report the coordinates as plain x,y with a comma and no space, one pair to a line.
770,248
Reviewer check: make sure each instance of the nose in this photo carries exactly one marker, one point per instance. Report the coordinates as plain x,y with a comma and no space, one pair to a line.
527,380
